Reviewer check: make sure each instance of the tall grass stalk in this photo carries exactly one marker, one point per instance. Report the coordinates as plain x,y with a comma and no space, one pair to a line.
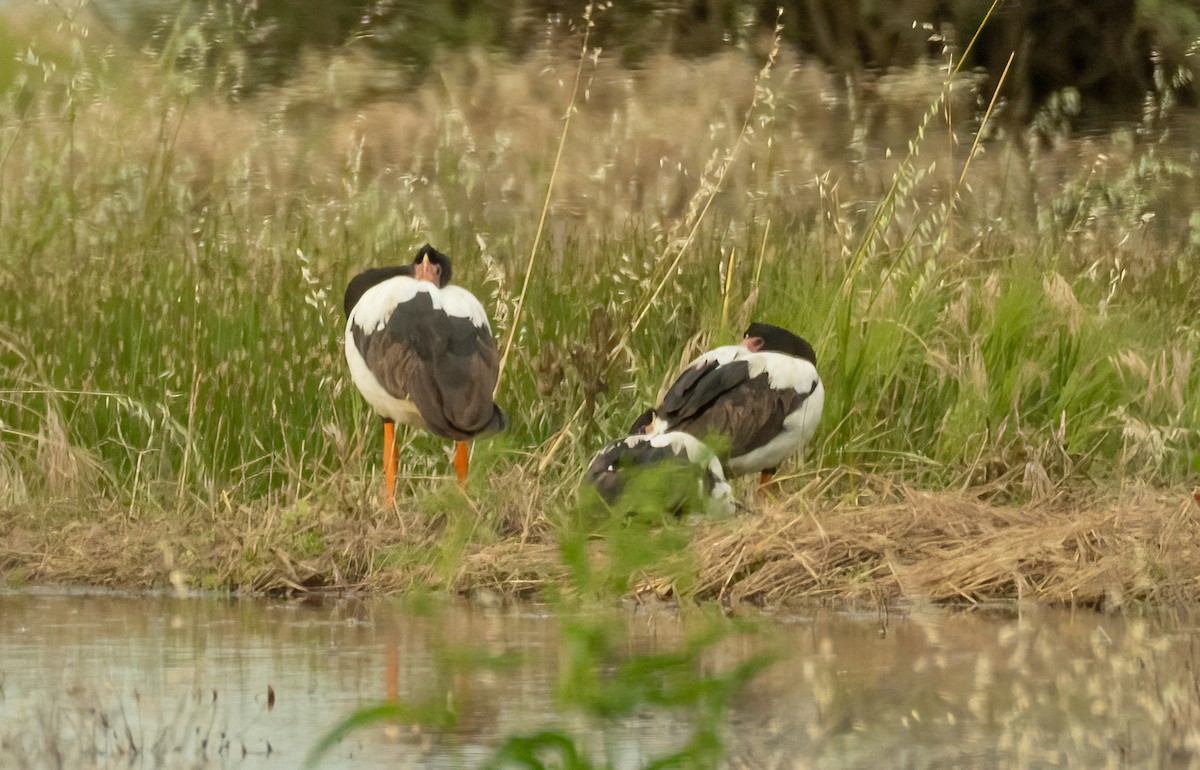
711,184
537,236
709,190
1044,341
987,115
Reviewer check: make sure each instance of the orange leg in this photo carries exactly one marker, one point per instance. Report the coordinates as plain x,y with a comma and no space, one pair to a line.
462,459
390,461
764,479
391,664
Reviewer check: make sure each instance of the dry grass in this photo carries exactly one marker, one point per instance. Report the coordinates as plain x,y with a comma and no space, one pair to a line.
956,548
1140,546
174,407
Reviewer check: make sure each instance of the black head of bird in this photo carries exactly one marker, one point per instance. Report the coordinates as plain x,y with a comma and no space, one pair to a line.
762,337
643,423
429,265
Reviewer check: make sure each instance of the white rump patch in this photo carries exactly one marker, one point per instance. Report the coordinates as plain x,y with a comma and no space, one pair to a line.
722,355
784,371
377,303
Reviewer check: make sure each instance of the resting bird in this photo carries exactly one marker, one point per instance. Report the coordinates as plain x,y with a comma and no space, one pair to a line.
421,352
762,399
691,478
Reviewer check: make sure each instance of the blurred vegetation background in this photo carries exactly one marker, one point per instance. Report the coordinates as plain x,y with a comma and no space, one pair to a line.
1110,51
1002,300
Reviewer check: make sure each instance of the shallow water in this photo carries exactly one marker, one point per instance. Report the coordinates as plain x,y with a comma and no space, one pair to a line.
83,677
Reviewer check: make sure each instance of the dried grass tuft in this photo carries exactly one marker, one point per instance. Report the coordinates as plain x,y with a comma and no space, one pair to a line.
947,548
951,548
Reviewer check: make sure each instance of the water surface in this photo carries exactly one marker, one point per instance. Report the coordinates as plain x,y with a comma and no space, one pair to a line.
85,676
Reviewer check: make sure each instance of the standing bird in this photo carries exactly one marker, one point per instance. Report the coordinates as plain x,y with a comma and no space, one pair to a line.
421,352
763,398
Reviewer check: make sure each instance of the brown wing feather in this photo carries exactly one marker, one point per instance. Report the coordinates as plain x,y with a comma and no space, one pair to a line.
745,417
464,380
449,377
396,367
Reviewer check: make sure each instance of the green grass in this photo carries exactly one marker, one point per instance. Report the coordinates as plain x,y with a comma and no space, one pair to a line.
173,251
172,325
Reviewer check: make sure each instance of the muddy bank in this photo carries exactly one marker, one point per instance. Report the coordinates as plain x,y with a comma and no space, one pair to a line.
1100,551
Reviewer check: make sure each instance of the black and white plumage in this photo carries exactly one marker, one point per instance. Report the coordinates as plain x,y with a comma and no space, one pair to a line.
693,478
421,352
761,399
